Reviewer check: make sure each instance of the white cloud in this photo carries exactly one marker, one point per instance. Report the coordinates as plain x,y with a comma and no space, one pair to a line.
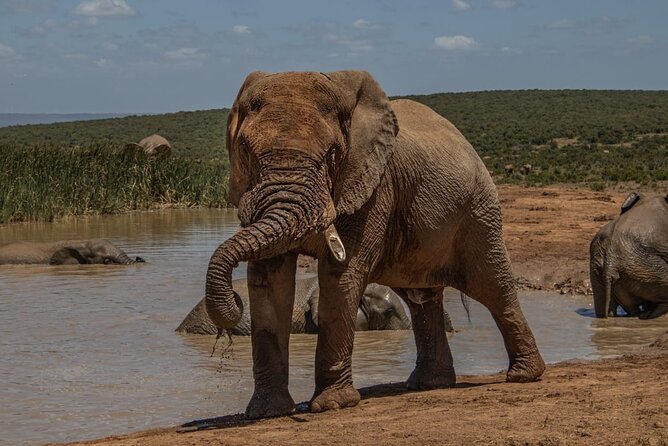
510,50
640,40
455,43
365,24
6,51
184,54
241,29
461,5
110,46
102,63
504,4
104,8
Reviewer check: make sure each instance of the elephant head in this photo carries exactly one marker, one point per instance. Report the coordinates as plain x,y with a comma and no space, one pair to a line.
96,251
304,148
381,309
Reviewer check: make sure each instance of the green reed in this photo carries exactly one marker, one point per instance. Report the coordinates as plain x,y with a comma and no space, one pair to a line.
43,183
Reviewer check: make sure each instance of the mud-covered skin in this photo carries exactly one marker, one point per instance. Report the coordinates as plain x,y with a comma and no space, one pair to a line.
629,260
412,203
71,252
380,309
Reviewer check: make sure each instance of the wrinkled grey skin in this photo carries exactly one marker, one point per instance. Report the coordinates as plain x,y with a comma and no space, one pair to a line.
628,260
380,309
379,191
72,252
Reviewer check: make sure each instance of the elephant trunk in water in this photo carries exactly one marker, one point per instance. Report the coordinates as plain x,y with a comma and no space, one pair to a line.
276,215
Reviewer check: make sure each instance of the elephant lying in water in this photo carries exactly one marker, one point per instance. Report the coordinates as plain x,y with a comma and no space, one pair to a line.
72,252
379,309
628,260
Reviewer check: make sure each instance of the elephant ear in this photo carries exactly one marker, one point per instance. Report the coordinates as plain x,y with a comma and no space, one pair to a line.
238,181
370,127
67,256
629,202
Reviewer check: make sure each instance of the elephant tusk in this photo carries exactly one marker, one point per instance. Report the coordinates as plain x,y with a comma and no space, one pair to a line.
335,244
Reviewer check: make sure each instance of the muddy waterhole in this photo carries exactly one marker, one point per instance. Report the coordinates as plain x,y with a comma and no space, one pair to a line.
89,351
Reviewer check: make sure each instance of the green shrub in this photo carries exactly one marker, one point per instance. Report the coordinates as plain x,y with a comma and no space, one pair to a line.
43,183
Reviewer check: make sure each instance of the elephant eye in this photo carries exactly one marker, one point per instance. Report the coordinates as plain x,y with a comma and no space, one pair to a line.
255,104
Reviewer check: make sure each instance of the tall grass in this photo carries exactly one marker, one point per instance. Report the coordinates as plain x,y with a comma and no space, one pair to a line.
43,183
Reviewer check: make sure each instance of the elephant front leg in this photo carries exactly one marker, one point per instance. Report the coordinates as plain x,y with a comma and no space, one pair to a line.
434,365
271,286
337,313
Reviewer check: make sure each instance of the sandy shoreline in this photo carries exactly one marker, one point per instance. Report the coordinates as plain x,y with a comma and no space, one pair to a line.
611,401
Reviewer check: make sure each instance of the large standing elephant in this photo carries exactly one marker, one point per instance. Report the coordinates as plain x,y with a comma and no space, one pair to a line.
380,309
628,260
65,253
323,164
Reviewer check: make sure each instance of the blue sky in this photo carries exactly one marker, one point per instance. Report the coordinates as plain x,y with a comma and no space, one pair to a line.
154,56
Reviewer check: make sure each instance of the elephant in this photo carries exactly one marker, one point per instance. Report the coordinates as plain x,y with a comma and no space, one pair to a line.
379,191
72,252
380,309
628,260
153,145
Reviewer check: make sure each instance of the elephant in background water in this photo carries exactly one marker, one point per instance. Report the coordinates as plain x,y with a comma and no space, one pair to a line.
72,252
380,309
628,260
379,191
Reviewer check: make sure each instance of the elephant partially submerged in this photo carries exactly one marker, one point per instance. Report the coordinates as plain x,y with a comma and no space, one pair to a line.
69,252
323,164
380,309
628,260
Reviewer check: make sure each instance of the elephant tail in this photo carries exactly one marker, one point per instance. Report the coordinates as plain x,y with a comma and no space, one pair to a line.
466,303
608,278
608,292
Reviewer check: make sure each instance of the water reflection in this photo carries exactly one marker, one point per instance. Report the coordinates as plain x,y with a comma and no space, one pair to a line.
89,350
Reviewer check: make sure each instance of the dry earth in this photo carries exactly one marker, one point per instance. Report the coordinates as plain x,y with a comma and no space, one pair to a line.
613,401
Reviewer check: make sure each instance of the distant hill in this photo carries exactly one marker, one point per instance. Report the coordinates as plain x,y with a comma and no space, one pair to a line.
566,135
9,119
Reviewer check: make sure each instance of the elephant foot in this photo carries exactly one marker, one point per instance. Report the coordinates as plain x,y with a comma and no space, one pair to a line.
526,368
270,403
423,378
654,311
333,398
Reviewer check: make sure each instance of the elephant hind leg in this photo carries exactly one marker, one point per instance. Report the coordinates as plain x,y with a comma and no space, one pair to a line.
434,365
487,277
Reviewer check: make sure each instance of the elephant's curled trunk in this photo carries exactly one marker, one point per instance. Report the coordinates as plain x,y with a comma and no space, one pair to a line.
280,228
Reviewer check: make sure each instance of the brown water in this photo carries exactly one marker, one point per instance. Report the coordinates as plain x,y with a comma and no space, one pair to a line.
89,351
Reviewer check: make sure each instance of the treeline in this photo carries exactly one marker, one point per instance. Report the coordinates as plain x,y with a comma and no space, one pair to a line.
567,136
198,134
595,137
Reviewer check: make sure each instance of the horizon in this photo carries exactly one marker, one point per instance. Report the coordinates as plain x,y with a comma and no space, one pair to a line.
153,57
127,114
